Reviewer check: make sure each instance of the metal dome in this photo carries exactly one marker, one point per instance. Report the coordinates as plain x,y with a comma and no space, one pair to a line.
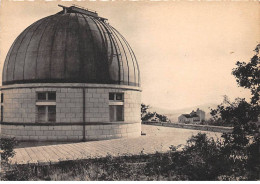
72,46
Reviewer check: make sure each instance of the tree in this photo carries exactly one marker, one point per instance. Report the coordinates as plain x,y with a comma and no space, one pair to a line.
146,115
7,146
248,75
161,117
144,109
242,145
240,112
230,112
7,152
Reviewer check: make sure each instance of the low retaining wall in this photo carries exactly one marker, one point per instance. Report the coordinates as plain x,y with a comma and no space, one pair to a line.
192,126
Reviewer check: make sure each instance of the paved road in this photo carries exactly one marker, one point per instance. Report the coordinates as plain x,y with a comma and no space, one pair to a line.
156,139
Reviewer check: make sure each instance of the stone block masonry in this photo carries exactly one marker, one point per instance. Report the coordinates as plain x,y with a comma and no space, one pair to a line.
20,104
70,132
20,107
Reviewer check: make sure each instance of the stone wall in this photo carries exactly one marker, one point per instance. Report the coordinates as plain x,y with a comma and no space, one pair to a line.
70,132
20,104
20,107
193,126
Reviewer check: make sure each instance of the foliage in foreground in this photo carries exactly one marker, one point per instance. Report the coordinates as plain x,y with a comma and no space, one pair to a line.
7,152
7,145
201,158
248,75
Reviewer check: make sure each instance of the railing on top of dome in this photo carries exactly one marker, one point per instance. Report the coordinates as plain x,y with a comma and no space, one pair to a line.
80,9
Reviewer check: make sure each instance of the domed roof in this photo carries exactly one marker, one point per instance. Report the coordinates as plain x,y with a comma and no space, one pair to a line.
72,46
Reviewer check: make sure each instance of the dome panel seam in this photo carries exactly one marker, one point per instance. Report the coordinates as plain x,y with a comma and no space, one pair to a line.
129,49
39,23
52,43
113,45
103,45
118,53
39,46
29,44
124,53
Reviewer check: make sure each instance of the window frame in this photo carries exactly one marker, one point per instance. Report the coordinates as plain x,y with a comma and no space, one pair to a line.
47,104
46,96
116,113
2,107
2,113
46,114
115,96
114,103
2,97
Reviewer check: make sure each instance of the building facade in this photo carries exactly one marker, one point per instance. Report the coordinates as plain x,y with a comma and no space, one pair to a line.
195,117
70,77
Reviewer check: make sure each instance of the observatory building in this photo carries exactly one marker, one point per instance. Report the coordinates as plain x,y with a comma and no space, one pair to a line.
70,77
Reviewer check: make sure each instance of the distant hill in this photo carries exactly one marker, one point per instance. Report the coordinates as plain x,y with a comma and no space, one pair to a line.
173,114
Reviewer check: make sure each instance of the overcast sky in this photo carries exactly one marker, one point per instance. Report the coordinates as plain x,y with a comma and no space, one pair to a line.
186,50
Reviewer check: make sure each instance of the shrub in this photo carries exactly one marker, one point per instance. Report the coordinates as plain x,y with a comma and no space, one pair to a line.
7,145
202,158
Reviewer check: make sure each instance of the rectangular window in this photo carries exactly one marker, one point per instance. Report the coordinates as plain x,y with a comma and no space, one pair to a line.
112,113
116,97
2,97
111,96
116,113
119,113
46,113
51,113
46,107
46,96
52,96
119,97
2,113
116,107
41,114
2,107
41,96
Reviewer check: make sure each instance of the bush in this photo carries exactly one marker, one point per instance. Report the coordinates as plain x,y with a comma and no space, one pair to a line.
7,145
202,158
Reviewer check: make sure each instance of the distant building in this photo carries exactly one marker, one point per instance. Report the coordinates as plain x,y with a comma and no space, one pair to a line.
193,117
